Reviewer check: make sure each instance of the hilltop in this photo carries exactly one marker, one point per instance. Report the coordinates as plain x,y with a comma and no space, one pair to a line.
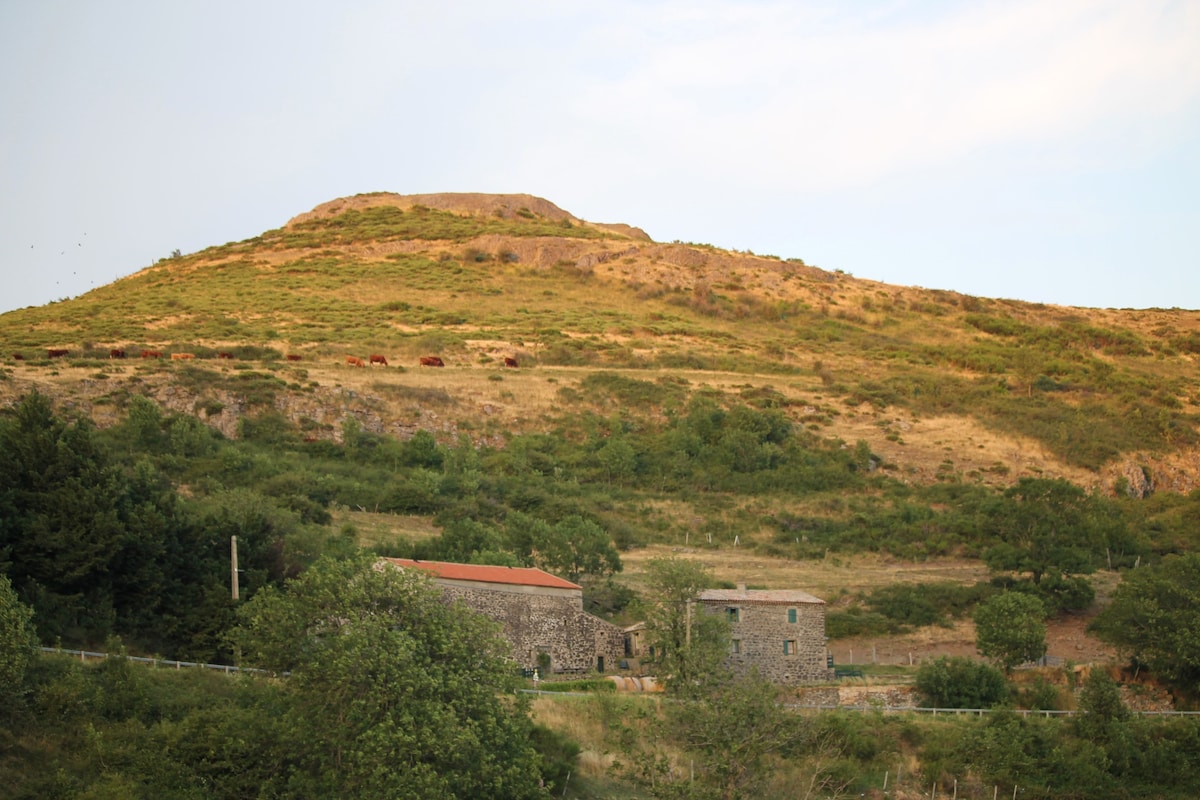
939,384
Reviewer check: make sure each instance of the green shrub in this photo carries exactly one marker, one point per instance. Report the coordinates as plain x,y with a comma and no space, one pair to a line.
959,682
854,621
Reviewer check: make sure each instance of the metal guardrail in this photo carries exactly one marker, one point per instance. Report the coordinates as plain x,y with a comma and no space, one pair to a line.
1024,712
84,655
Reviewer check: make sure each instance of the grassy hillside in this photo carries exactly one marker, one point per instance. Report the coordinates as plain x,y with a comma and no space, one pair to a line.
935,381
897,451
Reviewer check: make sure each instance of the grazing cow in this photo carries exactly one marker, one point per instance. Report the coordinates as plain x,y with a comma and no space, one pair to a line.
354,361
57,353
151,354
375,358
432,361
182,356
509,361
116,353
292,357
224,355
18,357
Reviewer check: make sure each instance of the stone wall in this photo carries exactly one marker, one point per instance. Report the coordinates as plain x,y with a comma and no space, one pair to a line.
760,632
538,620
885,698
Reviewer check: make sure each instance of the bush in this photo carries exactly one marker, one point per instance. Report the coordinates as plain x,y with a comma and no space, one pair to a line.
559,753
856,622
961,682
1057,593
928,603
1010,629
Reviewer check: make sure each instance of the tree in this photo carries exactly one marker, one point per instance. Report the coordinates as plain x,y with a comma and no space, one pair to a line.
1101,706
60,521
689,644
1154,617
576,546
961,683
17,641
618,458
1050,527
393,692
1010,629
735,731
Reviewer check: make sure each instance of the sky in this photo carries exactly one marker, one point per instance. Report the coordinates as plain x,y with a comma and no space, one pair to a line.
1040,150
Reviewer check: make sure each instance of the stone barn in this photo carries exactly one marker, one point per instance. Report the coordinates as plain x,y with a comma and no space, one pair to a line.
780,632
541,615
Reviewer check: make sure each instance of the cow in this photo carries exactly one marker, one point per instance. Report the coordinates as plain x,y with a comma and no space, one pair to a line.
18,357
225,355
151,354
432,361
509,361
375,358
292,357
355,361
116,353
182,356
56,353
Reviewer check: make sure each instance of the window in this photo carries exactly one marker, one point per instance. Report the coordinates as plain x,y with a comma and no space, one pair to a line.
734,614
792,615
789,647
735,646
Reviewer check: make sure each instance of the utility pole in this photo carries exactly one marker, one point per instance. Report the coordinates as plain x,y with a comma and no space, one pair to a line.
688,635
233,570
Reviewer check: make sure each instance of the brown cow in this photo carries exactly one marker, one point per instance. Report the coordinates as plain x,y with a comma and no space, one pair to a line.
354,361
151,354
509,361
432,361
292,357
18,357
182,356
57,353
116,353
375,358
224,355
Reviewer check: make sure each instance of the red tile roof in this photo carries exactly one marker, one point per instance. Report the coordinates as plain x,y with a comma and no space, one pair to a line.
519,576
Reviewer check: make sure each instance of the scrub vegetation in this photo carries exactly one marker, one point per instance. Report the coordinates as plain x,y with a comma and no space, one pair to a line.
669,397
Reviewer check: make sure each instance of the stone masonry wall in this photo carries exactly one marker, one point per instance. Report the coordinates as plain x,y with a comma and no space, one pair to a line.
550,622
759,634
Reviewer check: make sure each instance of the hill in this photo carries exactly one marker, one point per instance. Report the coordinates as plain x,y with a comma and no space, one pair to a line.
940,385
906,454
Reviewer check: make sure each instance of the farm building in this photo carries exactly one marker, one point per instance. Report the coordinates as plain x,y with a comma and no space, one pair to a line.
779,632
541,615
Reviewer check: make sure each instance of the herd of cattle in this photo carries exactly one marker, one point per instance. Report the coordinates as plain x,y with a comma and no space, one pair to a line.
354,361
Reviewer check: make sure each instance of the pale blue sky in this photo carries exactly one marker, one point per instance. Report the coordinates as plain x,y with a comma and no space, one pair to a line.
1042,150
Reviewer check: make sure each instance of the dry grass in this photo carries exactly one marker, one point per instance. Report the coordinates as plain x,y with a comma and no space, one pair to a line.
376,529
827,578
578,718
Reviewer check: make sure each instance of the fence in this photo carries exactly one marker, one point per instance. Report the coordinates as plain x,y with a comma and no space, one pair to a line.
84,655
958,712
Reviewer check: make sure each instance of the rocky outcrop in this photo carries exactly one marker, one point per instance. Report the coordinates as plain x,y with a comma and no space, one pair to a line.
506,206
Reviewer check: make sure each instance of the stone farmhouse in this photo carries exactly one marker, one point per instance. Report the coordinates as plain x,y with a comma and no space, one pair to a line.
780,632
541,615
